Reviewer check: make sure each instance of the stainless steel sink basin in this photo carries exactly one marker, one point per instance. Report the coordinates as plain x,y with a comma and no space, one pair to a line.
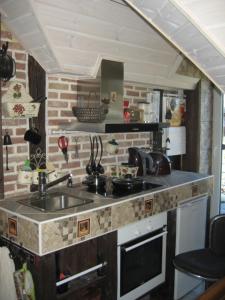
54,202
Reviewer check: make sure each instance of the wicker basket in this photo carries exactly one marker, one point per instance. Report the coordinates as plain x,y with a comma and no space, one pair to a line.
90,114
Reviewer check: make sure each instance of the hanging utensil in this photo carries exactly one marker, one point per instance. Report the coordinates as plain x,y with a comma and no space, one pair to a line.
95,183
95,154
7,141
89,165
63,145
99,168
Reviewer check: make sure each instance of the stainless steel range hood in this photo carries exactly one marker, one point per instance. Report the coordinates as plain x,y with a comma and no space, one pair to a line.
115,127
110,78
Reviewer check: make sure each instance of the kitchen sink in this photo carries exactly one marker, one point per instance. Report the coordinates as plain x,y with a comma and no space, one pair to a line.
54,202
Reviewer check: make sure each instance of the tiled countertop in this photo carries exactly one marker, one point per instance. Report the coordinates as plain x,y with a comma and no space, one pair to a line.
42,232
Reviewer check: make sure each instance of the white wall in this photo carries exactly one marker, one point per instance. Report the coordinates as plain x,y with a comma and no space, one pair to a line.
216,149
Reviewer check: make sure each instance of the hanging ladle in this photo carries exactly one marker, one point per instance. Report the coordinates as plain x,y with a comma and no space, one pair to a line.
95,154
99,168
89,165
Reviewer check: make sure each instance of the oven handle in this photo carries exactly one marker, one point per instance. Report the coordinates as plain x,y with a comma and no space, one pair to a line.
144,242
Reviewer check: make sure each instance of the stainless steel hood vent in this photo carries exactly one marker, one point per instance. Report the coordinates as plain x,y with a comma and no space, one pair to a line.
110,80
116,127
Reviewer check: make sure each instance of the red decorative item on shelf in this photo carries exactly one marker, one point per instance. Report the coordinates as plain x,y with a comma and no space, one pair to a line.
126,113
126,103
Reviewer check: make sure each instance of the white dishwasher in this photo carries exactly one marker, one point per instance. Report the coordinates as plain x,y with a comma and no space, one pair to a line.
190,235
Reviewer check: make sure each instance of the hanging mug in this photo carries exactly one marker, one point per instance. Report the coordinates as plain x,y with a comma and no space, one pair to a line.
32,136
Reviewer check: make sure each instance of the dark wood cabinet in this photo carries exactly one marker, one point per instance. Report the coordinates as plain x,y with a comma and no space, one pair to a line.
98,284
192,123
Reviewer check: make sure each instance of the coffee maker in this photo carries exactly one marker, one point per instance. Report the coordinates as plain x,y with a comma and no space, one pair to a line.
161,164
139,158
149,163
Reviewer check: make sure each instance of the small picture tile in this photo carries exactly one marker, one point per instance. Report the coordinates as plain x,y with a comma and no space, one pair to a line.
148,205
12,226
83,227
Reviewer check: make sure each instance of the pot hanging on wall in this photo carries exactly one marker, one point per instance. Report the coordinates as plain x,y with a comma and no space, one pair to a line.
7,64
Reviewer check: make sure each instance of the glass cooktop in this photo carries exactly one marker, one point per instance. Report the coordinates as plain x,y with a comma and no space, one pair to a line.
122,192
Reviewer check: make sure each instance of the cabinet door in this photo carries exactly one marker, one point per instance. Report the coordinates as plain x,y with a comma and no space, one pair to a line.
190,228
90,293
79,260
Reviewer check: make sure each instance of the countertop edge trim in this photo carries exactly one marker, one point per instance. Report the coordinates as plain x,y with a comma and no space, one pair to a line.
90,238
123,200
19,215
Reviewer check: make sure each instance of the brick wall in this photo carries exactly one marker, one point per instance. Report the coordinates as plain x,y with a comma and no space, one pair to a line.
19,151
63,93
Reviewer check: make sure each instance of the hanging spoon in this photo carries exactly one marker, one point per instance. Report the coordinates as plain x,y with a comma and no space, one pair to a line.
89,165
99,167
95,141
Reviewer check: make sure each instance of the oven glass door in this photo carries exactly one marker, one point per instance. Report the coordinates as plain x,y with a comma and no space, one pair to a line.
141,260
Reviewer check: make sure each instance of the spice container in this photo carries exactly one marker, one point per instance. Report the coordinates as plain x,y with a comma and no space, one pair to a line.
144,111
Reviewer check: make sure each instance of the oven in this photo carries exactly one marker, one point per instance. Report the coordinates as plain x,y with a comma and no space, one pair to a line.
141,256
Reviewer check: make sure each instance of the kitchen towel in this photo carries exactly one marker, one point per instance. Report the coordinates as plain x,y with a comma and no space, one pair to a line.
7,268
24,284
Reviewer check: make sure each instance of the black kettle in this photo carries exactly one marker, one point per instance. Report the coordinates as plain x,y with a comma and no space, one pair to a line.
7,64
161,164
139,158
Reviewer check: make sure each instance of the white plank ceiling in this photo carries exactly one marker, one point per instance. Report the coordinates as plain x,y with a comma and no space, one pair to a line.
72,37
196,27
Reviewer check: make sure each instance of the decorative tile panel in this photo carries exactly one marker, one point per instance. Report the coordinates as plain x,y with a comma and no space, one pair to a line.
3,223
61,233
164,201
104,221
124,213
28,234
58,234
68,230
129,212
182,192
205,186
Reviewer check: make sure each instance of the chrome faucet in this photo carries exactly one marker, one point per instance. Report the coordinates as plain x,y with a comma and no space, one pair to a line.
43,185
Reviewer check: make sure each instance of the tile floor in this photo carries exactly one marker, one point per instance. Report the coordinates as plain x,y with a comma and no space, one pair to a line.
222,205
190,296
195,293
